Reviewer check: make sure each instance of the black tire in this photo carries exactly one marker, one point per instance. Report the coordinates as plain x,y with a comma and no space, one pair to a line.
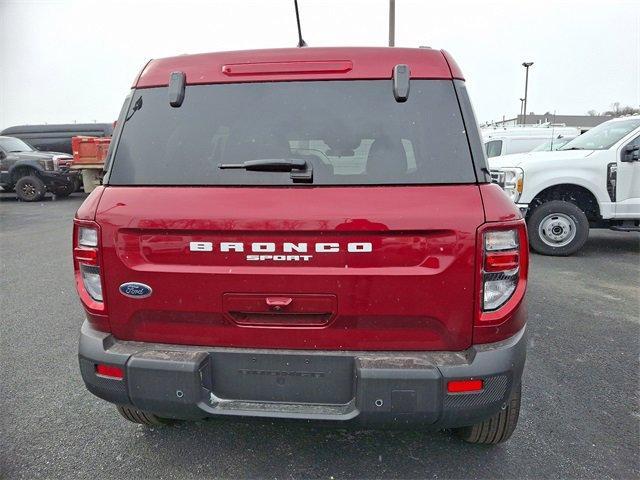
565,217
77,184
496,429
30,189
138,416
65,191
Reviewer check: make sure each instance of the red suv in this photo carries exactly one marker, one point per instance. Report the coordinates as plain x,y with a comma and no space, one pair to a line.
303,233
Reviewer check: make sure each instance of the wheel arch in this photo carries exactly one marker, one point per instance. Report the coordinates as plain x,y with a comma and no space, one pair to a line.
579,195
20,170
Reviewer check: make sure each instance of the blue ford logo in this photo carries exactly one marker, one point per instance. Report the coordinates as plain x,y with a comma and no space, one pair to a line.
135,290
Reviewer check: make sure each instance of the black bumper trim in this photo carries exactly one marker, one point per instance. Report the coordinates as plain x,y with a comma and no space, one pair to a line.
177,381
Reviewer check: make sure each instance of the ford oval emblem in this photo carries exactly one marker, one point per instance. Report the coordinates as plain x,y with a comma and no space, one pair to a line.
135,290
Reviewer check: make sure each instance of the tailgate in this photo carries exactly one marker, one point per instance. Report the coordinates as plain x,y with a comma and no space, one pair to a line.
329,268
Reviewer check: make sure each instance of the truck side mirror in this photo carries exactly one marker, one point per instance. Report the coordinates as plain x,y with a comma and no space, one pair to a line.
631,153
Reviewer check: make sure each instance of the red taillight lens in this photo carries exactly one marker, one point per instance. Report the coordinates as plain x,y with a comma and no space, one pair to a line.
500,261
464,386
86,256
110,371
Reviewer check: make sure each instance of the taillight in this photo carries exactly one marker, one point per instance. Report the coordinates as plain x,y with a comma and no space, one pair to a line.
86,260
503,264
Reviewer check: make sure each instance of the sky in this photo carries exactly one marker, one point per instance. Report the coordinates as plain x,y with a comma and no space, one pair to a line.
65,61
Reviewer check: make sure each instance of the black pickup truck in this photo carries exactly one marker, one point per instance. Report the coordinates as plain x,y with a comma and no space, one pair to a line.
32,173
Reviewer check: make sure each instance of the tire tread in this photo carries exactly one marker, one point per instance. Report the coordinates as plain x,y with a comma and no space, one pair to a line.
496,429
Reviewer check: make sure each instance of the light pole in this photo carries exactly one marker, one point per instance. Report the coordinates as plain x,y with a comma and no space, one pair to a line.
526,65
392,23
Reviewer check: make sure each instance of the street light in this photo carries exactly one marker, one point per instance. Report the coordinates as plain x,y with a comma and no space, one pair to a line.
526,65
392,23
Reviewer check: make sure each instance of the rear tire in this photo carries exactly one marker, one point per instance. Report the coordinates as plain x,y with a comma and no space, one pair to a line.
143,418
65,191
30,189
558,228
496,429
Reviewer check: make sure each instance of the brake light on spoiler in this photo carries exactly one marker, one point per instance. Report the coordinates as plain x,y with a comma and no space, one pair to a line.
279,68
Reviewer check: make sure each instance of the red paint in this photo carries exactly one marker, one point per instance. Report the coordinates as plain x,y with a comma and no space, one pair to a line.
289,64
455,70
497,206
418,289
464,386
415,291
87,210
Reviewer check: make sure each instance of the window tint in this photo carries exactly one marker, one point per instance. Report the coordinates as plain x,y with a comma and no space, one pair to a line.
12,144
604,135
351,132
634,143
494,147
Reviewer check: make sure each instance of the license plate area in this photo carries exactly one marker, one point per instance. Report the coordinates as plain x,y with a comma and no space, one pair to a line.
287,378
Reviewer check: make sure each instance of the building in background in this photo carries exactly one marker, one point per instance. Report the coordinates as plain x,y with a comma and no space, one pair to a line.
584,122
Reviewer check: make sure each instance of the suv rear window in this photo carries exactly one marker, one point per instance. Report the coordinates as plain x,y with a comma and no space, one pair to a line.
351,132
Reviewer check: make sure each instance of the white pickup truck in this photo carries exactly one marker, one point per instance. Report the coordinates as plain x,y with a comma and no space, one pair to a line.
591,182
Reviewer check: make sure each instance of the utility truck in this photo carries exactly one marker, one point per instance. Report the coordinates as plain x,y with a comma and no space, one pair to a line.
593,181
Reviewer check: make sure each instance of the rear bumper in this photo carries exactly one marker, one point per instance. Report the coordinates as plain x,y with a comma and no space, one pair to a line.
187,382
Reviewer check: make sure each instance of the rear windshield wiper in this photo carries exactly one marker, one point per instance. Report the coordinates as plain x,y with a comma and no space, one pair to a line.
301,171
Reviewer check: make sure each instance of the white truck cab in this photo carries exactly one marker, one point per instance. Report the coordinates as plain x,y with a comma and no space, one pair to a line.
592,181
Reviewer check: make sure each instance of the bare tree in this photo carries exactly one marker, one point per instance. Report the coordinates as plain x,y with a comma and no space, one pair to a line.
617,111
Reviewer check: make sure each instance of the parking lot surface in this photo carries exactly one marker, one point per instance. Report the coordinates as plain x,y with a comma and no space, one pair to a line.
580,416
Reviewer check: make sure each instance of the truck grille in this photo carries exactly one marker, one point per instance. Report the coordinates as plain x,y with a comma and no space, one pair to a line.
498,177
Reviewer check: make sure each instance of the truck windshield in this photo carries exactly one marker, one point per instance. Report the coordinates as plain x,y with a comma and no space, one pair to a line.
603,136
12,144
350,132
555,144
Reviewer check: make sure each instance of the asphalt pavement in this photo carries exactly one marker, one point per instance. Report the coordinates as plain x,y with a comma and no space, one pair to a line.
579,419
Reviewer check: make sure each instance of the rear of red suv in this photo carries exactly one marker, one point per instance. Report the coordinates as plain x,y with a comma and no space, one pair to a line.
303,233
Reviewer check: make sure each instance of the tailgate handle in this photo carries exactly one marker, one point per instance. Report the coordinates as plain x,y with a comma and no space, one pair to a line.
276,303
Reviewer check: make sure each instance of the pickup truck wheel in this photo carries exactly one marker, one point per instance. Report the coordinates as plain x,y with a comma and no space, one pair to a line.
30,189
138,416
65,191
496,429
558,228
